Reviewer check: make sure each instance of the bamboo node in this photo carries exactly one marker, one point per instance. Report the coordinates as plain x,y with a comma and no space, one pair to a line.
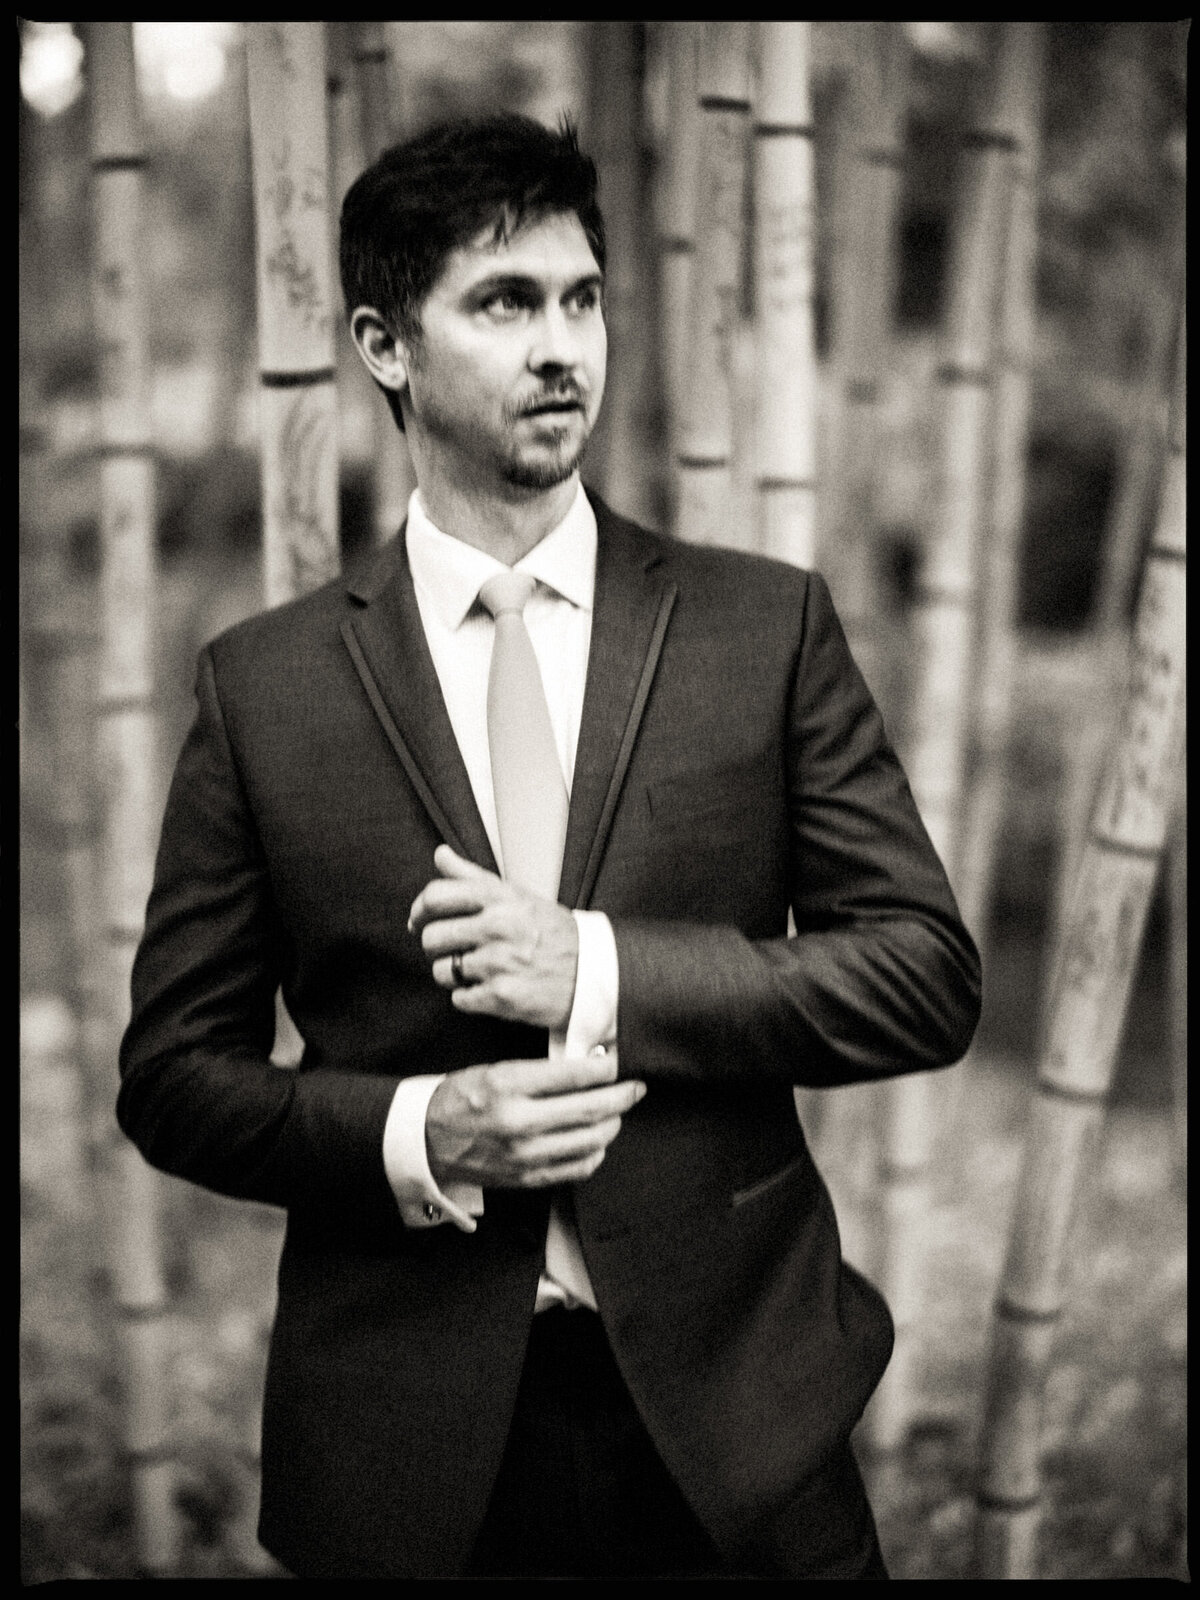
1012,1312
780,130
953,372
298,379
111,449
1057,1090
990,139
118,163
1124,847
1004,1502
1167,552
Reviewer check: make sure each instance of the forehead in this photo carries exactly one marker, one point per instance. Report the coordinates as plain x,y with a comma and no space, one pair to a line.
550,248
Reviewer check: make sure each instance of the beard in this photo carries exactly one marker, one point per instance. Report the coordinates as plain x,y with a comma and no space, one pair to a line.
528,458
546,471
552,460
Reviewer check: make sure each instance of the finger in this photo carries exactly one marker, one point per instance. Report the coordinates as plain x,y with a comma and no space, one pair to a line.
583,1109
444,937
474,968
452,865
563,1172
543,1077
572,1144
443,897
579,1113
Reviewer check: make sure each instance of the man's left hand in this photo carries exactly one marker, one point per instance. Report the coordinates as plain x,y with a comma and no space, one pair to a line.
519,953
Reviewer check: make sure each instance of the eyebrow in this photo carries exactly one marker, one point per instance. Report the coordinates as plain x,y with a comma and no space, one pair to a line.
524,282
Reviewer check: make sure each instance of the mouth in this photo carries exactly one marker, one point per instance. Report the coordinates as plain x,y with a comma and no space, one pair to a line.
553,408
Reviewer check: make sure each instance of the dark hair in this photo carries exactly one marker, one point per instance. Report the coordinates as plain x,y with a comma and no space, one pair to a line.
425,198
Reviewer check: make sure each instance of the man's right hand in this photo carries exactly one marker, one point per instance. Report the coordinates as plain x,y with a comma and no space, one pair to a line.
526,1124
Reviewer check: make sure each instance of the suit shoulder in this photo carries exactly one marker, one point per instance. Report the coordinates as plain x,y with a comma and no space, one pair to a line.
280,633
709,566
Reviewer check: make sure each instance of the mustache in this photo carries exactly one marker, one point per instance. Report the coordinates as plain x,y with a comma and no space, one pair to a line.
569,393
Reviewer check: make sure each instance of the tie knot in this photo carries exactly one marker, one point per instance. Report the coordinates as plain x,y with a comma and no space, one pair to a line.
507,591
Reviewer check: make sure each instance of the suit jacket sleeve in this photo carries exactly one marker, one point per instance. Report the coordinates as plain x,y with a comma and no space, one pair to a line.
198,1094
881,977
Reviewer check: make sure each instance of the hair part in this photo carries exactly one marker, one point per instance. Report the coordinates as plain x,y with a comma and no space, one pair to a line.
431,195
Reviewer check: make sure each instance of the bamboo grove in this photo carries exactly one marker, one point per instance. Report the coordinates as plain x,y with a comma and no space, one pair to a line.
747,410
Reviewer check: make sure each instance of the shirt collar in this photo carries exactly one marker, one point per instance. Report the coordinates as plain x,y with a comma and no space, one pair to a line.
450,572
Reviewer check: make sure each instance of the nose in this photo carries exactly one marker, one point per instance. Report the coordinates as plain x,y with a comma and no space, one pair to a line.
556,341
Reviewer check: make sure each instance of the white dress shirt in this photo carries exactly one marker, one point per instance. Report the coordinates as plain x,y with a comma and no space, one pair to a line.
447,576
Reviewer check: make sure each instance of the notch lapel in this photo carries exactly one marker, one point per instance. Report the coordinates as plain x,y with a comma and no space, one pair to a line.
387,644
631,610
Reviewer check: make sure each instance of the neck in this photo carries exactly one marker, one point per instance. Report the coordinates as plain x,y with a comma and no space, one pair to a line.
506,525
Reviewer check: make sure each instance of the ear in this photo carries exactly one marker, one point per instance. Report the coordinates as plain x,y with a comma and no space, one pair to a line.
380,348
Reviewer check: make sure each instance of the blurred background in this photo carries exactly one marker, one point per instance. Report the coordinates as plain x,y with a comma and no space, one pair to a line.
931,341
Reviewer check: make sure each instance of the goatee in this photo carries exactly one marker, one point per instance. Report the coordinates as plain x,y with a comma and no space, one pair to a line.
545,474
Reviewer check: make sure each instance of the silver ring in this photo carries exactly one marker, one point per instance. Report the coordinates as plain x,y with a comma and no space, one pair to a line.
456,971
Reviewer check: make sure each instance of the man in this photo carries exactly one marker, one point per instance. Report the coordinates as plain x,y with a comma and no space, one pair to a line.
526,1324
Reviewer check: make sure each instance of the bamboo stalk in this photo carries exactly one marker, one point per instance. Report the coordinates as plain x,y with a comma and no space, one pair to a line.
347,114
868,131
619,455
1094,972
868,163
290,147
363,419
784,230
290,160
704,458
1143,449
998,617
1177,959
126,741
677,214
943,625
56,745
372,54
378,53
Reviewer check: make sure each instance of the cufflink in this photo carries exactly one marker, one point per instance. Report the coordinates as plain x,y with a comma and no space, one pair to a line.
598,1050
431,1212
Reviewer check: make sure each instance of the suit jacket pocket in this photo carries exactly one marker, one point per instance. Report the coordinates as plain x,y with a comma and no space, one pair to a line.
772,1181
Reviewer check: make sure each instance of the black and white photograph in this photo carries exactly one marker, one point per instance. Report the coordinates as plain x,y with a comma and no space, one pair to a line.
601,752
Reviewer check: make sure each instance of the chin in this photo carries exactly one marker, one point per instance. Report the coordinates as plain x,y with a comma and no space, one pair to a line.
546,473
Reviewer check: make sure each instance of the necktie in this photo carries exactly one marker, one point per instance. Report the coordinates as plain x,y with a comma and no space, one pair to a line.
531,814
531,797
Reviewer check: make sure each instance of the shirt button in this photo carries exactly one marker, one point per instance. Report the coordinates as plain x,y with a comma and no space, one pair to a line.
432,1213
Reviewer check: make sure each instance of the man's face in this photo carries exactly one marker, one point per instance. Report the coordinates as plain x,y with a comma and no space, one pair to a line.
507,377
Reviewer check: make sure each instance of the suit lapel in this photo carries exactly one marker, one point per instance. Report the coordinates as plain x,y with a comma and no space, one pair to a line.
631,609
387,643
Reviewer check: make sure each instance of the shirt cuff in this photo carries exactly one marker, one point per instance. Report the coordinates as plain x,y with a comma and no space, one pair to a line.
593,1019
405,1161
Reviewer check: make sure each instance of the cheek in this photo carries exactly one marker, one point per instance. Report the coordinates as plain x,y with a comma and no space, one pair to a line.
597,360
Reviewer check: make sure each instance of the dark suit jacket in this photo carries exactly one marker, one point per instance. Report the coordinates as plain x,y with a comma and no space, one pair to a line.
731,764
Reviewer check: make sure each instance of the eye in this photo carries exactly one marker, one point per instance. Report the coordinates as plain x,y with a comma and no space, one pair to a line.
585,299
506,305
